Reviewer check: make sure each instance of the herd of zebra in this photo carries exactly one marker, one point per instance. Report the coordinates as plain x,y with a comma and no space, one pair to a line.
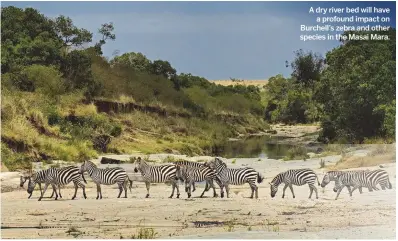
192,172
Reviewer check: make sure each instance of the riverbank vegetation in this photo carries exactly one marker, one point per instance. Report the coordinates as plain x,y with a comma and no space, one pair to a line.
351,92
63,99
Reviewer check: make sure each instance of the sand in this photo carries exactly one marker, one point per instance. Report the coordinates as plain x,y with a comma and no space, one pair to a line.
363,216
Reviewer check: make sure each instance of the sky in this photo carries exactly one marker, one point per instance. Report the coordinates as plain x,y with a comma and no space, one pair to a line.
215,40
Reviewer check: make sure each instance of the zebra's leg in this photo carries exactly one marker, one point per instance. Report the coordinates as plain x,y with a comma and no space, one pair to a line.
178,189
227,189
98,190
291,189
211,185
120,189
148,184
59,191
74,195
349,190
313,188
338,192
125,184
44,191
284,189
254,189
54,190
193,187
41,191
81,185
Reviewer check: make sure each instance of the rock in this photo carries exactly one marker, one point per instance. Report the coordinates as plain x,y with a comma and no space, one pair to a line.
381,166
107,160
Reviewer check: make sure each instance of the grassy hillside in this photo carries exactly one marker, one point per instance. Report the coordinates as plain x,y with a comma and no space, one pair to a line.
60,102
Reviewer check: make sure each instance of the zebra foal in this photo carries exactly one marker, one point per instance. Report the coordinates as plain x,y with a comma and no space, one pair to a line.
107,176
296,177
235,176
157,174
190,175
59,177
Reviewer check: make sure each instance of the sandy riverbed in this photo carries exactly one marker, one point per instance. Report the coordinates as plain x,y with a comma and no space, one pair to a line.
367,215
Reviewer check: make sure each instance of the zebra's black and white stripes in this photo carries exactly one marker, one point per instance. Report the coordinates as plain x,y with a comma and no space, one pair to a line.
193,164
157,174
296,177
39,180
107,176
332,176
369,179
191,175
59,177
235,176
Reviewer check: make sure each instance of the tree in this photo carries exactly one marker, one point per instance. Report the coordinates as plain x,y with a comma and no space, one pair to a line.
134,61
69,33
307,67
106,32
359,85
27,38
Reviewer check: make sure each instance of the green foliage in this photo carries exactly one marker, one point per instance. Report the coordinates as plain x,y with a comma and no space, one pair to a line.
290,102
307,67
358,90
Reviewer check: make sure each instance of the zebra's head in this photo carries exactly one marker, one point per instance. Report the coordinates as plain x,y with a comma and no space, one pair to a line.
180,169
337,183
325,180
32,183
274,189
138,164
22,180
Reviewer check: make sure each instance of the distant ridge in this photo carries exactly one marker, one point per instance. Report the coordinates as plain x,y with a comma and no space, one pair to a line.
258,83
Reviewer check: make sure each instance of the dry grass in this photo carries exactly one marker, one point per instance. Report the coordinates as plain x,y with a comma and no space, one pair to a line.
379,154
258,83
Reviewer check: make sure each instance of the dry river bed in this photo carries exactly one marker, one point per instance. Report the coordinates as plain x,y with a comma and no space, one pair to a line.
367,215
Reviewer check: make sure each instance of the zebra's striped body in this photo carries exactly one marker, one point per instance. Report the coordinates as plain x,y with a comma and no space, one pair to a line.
332,176
39,180
157,174
59,177
296,177
235,176
107,176
198,174
193,164
359,179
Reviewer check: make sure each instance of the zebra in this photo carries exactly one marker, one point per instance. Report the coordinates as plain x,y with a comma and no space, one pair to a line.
380,177
40,179
296,177
235,176
59,177
157,174
107,176
365,178
332,176
193,164
198,174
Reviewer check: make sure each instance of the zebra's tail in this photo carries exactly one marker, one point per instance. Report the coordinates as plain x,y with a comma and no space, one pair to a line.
389,184
260,178
317,180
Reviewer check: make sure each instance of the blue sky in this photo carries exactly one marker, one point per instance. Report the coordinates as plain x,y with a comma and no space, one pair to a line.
216,40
